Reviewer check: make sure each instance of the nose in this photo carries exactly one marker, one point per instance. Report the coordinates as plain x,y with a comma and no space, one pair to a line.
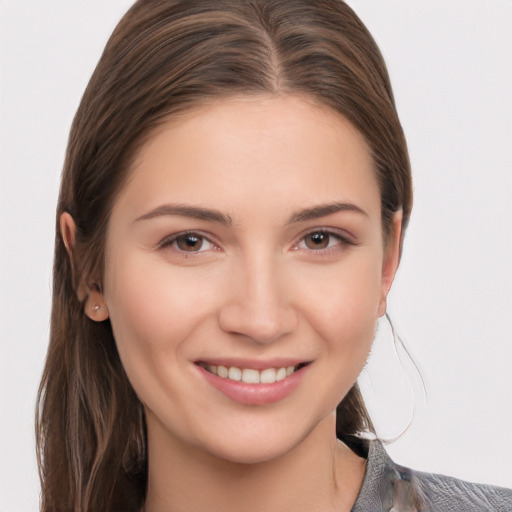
257,306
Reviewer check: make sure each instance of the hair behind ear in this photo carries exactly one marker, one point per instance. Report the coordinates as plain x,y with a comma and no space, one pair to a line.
89,422
352,418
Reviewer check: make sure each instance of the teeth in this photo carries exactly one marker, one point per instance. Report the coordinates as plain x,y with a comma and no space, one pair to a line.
235,373
268,376
250,375
282,374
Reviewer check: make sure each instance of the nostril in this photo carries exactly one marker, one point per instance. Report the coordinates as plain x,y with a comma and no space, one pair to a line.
257,322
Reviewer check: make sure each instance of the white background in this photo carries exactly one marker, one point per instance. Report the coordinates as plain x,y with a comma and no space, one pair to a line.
451,67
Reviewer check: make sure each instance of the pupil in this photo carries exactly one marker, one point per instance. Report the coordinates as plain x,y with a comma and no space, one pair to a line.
318,240
189,242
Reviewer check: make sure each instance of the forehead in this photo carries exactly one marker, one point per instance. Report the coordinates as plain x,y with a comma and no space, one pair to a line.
277,150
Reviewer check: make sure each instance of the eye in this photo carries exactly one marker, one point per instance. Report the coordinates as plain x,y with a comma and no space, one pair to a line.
321,240
188,242
317,240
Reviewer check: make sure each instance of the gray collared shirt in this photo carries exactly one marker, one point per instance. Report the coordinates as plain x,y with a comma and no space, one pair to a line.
388,487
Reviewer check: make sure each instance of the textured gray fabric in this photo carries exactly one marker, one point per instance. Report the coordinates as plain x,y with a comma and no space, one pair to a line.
388,487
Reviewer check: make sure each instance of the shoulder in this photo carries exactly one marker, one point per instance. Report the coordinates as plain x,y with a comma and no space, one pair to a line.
390,487
439,492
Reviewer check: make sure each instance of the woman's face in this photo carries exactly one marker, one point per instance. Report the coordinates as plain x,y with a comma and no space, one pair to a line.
247,241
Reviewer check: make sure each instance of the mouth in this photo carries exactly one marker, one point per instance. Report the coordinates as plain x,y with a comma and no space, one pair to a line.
268,375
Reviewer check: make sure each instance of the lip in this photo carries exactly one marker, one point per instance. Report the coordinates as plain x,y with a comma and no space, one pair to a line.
254,394
255,364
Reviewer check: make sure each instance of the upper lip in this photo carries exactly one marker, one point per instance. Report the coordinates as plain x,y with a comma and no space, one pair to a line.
256,364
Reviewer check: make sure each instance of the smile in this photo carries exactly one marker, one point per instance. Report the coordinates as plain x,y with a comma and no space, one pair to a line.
253,386
251,375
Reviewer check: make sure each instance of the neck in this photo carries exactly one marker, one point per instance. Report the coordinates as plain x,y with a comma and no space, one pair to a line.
320,473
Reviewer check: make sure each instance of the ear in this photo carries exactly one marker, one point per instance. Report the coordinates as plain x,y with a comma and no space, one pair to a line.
90,292
391,259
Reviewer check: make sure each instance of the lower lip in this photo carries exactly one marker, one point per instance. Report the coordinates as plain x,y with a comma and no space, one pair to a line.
255,394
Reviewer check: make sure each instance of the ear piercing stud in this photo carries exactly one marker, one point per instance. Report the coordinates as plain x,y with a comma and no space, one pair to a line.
97,308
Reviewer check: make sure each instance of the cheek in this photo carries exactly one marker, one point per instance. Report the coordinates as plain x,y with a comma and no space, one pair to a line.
153,311
343,307
339,306
152,297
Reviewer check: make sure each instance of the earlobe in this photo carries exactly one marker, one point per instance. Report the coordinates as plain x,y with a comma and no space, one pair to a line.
95,307
391,259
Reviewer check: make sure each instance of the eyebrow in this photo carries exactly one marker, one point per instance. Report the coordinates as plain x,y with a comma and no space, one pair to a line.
211,215
323,210
187,211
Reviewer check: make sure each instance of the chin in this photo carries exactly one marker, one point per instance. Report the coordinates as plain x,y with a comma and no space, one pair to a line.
260,443
250,451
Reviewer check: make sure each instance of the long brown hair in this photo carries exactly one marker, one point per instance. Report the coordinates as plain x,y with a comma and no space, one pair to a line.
164,57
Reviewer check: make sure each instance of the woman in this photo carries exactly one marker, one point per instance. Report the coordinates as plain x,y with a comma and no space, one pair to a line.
231,217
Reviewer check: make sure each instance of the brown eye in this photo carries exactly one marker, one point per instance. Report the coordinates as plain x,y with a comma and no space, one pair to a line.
317,240
189,242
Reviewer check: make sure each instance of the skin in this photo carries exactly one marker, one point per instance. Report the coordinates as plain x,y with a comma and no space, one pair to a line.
265,284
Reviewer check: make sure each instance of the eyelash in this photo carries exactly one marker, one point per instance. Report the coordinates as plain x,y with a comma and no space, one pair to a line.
332,234
341,241
169,241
